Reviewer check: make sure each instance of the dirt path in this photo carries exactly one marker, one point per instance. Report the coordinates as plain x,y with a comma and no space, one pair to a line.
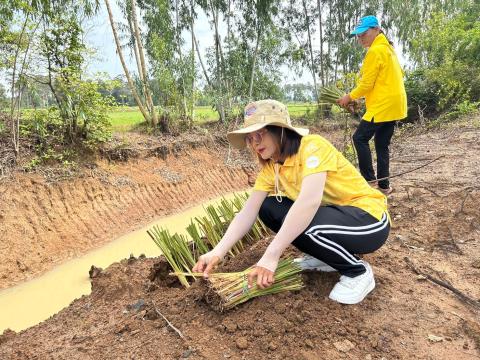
436,229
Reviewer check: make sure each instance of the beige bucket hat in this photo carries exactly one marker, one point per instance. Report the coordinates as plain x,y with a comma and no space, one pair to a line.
259,114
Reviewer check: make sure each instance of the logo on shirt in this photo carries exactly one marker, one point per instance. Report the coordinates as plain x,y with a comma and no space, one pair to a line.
312,162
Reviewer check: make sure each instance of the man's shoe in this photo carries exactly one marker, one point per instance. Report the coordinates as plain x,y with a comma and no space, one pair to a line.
311,263
353,290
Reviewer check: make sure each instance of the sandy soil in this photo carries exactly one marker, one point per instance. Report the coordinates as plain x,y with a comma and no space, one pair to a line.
436,231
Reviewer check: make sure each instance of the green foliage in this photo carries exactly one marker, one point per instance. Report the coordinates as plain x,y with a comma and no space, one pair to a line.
92,111
448,56
462,109
82,109
52,135
45,130
3,128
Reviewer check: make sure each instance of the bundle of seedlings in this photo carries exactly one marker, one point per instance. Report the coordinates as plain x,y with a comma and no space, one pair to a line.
330,94
176,251
227,290
207,231
182,253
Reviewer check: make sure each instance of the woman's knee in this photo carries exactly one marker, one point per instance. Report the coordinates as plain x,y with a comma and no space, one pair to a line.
266,209
272,213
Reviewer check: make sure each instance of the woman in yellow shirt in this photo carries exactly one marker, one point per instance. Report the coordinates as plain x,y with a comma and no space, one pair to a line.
312,197
381,83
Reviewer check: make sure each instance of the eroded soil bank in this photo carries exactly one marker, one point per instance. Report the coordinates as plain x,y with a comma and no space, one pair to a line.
45,222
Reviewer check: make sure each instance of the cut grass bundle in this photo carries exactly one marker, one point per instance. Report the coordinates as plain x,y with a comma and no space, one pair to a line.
330,94
175,249
227,290
205,232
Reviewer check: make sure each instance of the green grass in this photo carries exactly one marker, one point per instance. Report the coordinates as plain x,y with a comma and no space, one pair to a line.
124,119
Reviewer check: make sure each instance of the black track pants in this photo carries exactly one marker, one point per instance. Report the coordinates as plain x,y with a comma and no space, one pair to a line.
383,133
335,234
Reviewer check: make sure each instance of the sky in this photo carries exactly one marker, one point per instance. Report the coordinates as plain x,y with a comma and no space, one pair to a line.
99,37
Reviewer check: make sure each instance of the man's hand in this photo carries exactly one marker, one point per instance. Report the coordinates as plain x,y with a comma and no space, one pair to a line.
344,101
265,277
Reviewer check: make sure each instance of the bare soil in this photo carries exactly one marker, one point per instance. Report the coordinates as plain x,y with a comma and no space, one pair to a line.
435,236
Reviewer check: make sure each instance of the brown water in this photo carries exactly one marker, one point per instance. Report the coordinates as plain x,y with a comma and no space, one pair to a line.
36,300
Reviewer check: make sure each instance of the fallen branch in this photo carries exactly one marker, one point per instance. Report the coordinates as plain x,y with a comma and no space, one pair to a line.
168,322
462,296
408,171
469,191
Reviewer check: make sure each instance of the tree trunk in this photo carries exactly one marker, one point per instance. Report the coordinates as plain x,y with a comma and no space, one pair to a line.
329,45
320,27
228,24
179,49
139,102
252,74
201,61
220,89
16,98
148,95
137,61
192,116
312,68
224,81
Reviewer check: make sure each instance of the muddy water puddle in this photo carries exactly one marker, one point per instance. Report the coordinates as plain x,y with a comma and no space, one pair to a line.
29,303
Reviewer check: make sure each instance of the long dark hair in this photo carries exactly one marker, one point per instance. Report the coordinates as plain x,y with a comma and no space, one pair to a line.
386,37
289,143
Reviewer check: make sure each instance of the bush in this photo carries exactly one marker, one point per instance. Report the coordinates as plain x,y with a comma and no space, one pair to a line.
447,55
59,134
45,128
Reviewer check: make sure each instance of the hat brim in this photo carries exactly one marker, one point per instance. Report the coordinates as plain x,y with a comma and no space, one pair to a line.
360,30
237,137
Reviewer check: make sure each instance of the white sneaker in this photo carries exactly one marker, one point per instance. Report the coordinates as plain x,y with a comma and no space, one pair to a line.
353,290
311,263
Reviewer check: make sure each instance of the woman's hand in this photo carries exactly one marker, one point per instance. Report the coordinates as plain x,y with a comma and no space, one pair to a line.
265,277
206,264
344,100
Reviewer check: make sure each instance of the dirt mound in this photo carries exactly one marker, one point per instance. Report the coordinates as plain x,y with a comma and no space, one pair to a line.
136,311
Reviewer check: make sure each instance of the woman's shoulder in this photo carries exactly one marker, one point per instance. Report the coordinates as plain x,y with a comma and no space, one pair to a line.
313,138
314,142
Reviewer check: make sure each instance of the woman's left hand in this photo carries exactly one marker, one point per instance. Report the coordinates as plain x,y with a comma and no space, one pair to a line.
344,100
265,277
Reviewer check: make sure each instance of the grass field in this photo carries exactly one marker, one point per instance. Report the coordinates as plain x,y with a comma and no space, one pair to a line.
126,118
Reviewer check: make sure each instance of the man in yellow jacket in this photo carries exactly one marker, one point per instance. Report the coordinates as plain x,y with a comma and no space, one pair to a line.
381,83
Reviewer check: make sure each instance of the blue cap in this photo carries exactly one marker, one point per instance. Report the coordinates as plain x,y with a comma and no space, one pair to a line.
365,23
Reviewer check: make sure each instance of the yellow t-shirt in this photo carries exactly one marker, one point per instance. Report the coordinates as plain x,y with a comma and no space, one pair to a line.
344,185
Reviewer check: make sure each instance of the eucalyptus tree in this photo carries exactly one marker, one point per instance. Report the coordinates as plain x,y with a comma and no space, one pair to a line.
145,102
220,85
299,18
23,26
415,14
166,21
256,23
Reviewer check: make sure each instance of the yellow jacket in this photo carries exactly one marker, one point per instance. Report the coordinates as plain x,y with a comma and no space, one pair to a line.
381,83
